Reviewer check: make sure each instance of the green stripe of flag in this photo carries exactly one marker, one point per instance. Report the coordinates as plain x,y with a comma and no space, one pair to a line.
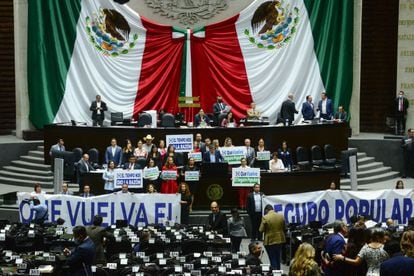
51,39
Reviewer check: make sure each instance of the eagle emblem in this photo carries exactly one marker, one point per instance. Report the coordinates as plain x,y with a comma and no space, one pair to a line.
109,32
273,24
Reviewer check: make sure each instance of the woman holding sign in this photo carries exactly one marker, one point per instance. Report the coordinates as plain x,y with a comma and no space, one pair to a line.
108,177
151,174
169,177
243,192
262,156
191,175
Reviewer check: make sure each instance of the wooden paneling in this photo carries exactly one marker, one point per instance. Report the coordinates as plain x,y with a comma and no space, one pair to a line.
7,86
379,63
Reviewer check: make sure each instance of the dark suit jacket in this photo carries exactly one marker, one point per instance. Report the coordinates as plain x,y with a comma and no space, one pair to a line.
82,167
82,258
219,224
198,120
253,260
250,205
95,115
136,166
251,156
96,234
288,111
117,158
217,109
83,195
343,116
405,105
217,154
307,111
329,108
334,244
397,266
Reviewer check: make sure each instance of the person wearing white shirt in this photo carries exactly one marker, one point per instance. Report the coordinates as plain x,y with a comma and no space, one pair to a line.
276,164
108,177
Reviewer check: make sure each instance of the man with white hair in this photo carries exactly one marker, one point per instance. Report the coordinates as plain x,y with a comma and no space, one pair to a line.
288,110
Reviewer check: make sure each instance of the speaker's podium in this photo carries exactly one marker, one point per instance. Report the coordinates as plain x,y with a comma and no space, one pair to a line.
215,185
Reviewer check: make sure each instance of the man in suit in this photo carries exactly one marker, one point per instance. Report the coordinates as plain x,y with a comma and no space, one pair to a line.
113,153
60,146
206,145
288,110
401,105
217,221
408,153
82,257
212,156
98,109
65,189
250,152
341,115
220,107
308,109
254,210
132,165
96,233
83,168
273,227
335,244
401,265
201,119
255,250
325,107
86,192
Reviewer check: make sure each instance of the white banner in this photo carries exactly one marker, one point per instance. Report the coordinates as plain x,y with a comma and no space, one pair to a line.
181,142
132,178
328,206
196,155
151,173
245,177
137,209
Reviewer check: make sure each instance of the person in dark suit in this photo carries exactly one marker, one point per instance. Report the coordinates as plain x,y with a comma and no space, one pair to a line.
325,107
254,210
255,250
220,107
201,119
335,244
82,257
308,109
341,115
83,168
212,156
97,233
288,110
407,146
114,153
98,109
401,265
132,165
60,146
217,221
401,105
86,192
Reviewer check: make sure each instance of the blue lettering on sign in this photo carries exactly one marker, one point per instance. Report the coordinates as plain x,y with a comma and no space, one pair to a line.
278,207
113,213
85,221
159,212
323,212
300,218
73,216
54,211
339,209
23,219
131,209
364,208
141,215
312,211
351,204
396,211
407,209
288,209
102,213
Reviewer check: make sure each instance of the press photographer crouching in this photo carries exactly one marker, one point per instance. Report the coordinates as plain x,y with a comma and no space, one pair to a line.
40,210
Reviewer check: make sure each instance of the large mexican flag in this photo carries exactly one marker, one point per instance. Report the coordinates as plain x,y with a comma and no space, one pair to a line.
80,48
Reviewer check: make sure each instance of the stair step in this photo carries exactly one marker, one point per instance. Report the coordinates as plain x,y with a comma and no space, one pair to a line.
370,166
36,153
33,177
361,155
365,160
372,179
373,172
22,182
41,148
32,159
31,166
28,171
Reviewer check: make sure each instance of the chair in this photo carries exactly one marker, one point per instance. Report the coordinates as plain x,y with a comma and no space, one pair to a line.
167,120
316,153
191,246
117,118
302,157
213,119
144,119
329,154
77,154
142,162
93,156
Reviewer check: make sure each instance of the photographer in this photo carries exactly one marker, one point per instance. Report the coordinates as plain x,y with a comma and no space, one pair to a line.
40,210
